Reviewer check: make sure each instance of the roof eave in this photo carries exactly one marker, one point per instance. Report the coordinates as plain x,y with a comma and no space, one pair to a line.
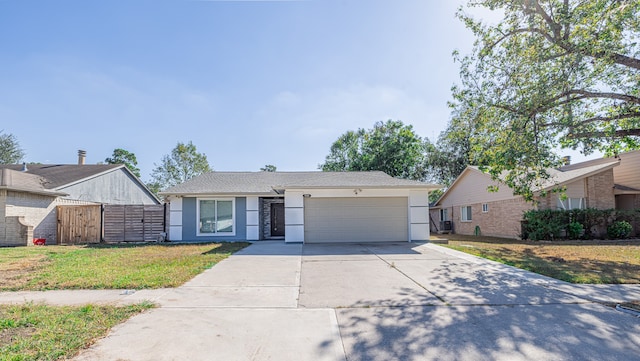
422,187
582,176
43,192
227,194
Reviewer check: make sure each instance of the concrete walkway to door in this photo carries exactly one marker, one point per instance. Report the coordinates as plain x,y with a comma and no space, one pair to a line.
274,301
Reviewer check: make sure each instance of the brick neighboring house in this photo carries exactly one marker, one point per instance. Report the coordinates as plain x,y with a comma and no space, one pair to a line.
29,195
469,207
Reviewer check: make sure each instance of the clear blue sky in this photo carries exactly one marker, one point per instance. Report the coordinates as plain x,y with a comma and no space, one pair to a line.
249,82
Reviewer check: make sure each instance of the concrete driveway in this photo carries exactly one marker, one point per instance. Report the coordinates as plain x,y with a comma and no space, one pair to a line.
273,301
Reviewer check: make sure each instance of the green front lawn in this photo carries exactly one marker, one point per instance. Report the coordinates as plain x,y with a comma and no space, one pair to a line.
606,262
39,332
107,266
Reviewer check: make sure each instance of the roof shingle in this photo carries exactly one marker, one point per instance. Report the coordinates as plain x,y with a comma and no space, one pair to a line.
272,182
58,175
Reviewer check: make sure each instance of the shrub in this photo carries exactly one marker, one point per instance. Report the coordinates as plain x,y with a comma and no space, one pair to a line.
575,230
619,230
544,224
579,223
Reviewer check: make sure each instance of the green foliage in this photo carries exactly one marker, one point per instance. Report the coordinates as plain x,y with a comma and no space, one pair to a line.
578,223
41,332
121,156
269,168
435,195
575,230
544,224
391,147
10,151
452,152
619,230
182,164
549,74
109,266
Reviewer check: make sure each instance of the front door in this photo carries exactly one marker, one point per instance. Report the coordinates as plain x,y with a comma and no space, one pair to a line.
277,219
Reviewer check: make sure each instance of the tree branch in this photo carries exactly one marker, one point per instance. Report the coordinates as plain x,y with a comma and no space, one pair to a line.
595,119
618,133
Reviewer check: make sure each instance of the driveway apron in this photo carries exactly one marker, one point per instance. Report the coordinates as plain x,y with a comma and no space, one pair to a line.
405,301
244,308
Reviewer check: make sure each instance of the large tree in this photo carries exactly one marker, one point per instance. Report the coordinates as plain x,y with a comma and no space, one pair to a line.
391,147
182,164
10,150
550,74
452,151
121,156
269,168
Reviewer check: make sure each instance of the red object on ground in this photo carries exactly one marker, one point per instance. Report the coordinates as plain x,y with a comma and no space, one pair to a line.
39,241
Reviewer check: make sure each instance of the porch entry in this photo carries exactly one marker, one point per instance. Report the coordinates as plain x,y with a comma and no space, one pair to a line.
272,218
277,219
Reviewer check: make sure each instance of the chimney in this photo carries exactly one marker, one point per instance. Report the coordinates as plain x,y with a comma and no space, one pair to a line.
82,154
566,160
24,167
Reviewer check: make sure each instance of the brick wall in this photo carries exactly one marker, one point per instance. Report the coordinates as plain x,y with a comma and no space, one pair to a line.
599,190
18,231
502,219
37,211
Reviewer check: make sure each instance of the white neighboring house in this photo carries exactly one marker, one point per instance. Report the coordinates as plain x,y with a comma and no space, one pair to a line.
309,207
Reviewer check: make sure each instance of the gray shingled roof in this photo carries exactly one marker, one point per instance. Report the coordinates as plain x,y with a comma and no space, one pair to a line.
272,182
58,175
564,175
24,182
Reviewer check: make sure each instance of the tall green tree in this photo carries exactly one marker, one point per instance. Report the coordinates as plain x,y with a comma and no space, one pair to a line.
391,147
182,164
269,168
550,74
121,156
10,150
452,151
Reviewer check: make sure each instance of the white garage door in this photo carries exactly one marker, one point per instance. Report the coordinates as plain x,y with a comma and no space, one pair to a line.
356,220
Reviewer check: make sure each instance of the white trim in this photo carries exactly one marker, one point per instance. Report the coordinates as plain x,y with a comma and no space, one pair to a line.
221,234
485,207
253,221
175,233
462,214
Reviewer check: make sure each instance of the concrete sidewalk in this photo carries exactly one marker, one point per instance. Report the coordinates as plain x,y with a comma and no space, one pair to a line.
276,301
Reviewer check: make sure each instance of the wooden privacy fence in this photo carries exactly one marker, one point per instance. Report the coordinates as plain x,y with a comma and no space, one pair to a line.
79,224
110,223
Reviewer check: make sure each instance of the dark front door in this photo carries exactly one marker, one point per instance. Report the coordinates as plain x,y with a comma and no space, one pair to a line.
277,219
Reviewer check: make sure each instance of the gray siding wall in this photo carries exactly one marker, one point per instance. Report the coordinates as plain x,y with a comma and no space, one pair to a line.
117,187
190,222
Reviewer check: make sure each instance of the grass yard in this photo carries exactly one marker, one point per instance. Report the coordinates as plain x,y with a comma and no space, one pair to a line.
107,266
39,332
606,262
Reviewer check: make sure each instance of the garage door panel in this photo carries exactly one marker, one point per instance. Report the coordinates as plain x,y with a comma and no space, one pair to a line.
356,219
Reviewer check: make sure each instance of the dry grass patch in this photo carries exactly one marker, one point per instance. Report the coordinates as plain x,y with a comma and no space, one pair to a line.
108,266
607,262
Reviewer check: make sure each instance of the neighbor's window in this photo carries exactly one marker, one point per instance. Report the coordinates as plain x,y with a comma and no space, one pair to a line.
444,215
465,214
571,203
485,208
215,217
